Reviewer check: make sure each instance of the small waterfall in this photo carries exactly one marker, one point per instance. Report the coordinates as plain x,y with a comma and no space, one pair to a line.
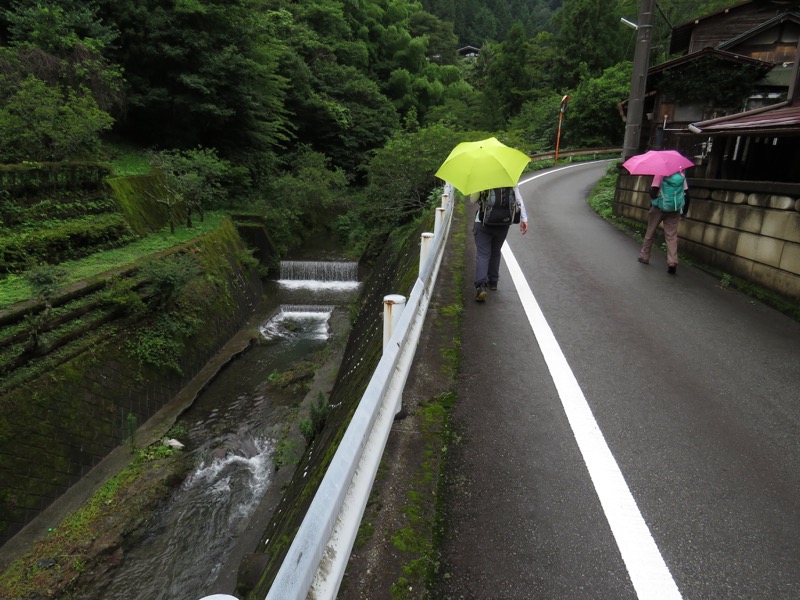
298,320
305,309
319,271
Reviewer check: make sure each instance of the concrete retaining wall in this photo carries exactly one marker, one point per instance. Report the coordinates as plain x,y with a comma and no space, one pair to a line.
56,427
749,229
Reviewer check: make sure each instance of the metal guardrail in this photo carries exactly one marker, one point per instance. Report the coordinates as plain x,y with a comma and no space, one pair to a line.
567,153
315,563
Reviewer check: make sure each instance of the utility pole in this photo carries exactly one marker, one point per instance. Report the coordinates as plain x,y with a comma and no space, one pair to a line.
641,61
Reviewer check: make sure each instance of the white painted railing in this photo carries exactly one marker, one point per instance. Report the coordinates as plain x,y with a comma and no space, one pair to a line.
316,560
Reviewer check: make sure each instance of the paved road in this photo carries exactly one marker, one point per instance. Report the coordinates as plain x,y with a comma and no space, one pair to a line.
644,442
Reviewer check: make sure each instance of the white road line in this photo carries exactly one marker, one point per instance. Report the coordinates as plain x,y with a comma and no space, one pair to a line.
648,571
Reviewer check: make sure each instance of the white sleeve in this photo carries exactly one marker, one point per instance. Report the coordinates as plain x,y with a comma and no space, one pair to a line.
523,215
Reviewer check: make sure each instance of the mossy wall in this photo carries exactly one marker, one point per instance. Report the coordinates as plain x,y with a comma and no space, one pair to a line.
137,197
395,272
56,427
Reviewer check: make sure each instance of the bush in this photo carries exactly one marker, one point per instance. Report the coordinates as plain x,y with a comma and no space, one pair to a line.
42,123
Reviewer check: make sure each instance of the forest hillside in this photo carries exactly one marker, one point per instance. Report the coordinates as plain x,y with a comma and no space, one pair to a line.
302,109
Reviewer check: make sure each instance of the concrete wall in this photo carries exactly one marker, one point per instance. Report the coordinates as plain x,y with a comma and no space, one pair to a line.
749,229
56,426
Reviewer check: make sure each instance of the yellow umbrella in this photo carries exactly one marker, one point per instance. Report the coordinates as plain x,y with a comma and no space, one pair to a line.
483,165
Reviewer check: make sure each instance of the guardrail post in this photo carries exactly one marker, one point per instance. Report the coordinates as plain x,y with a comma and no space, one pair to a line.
425,249
393,306
445,197
437,224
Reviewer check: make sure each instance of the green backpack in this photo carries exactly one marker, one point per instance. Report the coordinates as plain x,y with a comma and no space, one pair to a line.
671,197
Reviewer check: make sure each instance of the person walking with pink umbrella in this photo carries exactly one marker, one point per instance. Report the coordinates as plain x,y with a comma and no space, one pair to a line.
669,194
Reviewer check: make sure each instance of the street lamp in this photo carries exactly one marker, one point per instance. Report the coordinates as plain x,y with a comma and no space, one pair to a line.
563,108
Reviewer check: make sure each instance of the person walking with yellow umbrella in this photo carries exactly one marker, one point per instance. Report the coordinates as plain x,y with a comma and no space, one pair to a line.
488,172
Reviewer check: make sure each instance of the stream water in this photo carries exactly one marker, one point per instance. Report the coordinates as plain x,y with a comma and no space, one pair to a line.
232,430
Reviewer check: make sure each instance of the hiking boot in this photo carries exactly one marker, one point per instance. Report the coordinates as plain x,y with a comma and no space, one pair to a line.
672,269
480,294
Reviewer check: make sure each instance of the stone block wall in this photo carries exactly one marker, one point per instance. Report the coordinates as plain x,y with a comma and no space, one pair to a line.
750,229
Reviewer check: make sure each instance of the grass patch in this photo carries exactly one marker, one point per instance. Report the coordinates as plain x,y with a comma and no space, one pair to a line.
602,197
126,159
15,288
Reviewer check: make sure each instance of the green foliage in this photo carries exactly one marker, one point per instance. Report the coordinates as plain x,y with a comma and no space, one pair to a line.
602,197
592,119
195,178
312,426
21,183
301,202
587,34
121,295
126,159
168,277
62,240
508,77
400,180
40,122
156,452
286,454
15,288
203,73
44,281
57,26
162,344
538,122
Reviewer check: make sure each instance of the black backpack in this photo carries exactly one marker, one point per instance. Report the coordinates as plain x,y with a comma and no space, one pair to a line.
499,207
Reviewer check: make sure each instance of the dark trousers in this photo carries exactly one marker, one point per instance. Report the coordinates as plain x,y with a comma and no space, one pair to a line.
488,242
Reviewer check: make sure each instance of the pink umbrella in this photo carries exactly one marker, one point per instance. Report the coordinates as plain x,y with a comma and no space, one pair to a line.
657,162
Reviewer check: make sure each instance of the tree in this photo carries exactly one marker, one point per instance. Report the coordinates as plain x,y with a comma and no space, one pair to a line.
56,87
306,198
508,78
442,42
594,119
400,180
586,33
192,177
538,121
42,123
201,73
63,44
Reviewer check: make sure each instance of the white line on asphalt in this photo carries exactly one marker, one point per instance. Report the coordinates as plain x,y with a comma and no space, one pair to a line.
648,571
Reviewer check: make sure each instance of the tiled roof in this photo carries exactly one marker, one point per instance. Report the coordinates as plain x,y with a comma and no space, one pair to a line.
782,118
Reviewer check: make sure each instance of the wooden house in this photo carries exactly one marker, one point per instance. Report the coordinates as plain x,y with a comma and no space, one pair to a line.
731,102
741,60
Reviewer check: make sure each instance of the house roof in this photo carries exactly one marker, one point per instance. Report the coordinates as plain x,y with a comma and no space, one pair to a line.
777,20
778,119
731,56
682,34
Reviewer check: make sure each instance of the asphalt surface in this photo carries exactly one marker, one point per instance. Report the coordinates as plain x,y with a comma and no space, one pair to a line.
659,459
